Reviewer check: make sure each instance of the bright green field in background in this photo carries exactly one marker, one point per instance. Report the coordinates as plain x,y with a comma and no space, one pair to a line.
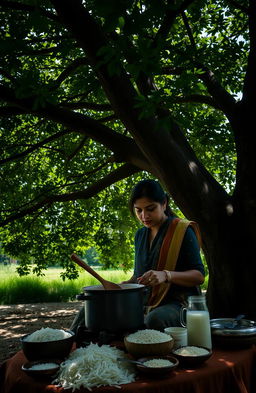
49,288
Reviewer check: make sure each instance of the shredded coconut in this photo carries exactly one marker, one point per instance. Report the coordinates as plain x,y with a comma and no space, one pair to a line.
191,351
158,363
148,336
94,366
47,334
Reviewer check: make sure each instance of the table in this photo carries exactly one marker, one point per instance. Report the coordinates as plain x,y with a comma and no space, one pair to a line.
226,371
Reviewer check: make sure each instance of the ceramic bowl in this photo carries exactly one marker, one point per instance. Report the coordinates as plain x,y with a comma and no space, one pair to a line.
189,360
58,349
46,367
157,371
139,350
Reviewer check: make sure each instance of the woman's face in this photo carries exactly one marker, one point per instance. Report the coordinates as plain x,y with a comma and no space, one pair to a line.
150,213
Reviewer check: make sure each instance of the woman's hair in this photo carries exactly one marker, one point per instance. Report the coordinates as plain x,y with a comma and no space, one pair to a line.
150,189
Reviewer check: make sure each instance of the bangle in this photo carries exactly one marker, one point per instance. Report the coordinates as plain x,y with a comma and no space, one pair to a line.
168,275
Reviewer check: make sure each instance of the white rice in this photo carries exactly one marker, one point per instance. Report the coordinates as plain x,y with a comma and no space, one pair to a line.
191,351
94,366
158,363
43,366
148,336
47,334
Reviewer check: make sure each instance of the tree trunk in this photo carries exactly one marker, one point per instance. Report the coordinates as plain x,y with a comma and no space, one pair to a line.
229,251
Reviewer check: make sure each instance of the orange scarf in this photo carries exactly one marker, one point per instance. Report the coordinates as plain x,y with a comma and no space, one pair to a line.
168,255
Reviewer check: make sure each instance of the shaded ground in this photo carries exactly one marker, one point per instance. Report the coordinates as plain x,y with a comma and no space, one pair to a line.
18,320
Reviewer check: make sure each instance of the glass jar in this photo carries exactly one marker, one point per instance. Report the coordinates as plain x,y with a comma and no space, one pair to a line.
197,322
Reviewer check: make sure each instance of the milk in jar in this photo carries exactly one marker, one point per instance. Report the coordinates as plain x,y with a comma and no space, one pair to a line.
199,332
198,322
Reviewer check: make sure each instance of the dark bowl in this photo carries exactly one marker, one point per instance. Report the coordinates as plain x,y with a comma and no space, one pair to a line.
50,367
191,360
58,349
157,371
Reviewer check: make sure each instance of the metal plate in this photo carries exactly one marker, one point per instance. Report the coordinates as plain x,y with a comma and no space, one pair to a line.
224,327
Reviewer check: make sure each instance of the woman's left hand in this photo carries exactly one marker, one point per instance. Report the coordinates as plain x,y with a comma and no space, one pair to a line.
152,278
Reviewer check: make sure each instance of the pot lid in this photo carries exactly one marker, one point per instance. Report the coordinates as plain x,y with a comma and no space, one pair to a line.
230,327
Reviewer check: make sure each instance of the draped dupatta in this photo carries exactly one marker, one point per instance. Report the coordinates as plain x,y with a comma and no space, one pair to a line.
168,256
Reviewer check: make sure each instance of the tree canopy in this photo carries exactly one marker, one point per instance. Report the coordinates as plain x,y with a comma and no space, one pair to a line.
98,94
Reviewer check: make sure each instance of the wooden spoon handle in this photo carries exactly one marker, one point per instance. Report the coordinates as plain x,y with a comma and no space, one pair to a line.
84,265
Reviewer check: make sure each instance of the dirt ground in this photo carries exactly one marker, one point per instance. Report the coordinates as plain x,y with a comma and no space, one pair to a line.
18,320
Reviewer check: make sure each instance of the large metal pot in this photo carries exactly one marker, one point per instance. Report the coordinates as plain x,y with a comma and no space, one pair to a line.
114,310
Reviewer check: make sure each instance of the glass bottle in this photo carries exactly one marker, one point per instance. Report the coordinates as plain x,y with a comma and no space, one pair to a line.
198,322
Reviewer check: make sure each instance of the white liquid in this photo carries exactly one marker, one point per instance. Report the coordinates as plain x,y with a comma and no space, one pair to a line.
199,331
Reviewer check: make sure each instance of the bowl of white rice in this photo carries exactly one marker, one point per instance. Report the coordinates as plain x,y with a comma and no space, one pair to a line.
191,356
154,366
47,343
148,342
41,367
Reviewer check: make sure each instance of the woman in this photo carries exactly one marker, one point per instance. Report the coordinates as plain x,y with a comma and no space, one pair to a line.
150,204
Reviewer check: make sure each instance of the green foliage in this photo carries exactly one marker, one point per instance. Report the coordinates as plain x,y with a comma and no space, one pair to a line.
44,64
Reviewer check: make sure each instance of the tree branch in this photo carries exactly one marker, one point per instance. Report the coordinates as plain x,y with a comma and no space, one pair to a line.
122,146
35,147
144,82
168,70
188,28
238,6
36,52
86,105
198,98
107,118
250,77
121,173
30,8
221,99
6,111
89,34
78,148
7,75
226,101
68,71
169,19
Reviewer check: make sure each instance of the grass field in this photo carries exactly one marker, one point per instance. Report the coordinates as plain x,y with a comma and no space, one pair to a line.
49,288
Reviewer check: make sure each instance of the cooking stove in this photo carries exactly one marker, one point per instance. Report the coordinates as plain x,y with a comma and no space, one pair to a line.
84,336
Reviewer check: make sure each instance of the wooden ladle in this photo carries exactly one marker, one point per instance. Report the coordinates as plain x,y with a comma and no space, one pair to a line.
105,283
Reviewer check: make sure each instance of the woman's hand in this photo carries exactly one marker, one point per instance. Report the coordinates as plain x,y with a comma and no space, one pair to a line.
132,280
152,278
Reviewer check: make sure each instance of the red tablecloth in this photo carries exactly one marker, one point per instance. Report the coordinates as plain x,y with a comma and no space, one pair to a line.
226,371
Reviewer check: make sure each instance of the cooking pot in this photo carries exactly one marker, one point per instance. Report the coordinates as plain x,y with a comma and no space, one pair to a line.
232,333
114,310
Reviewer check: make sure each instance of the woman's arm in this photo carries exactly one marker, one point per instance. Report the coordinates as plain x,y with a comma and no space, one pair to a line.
188,278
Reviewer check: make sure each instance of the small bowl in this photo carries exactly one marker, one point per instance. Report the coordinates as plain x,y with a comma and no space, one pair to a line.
49,367
39,350
157,371
139,350
192,360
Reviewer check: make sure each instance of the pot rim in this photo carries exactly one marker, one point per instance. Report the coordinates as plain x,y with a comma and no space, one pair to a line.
124,288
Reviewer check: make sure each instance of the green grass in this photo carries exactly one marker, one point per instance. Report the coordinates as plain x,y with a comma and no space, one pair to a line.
49,288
